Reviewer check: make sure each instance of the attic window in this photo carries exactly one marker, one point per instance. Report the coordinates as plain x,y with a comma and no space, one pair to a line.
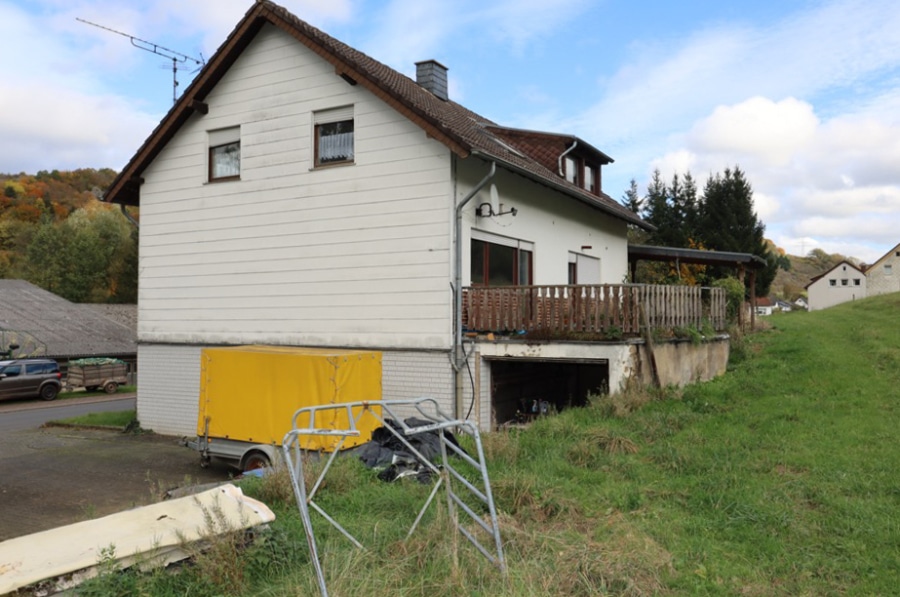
590,179
225,154
582,173
572,168
334,136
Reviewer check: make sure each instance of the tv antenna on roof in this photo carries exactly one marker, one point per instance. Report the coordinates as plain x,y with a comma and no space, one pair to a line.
148,46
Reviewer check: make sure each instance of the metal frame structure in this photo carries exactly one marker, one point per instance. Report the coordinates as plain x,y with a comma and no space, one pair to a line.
305,422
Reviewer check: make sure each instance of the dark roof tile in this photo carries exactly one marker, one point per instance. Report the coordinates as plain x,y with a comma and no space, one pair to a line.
44,324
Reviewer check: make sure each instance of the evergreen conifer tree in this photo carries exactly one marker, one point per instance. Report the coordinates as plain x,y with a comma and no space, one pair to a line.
729,223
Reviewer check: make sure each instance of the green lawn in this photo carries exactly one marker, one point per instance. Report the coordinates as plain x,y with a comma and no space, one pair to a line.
779,478
107,419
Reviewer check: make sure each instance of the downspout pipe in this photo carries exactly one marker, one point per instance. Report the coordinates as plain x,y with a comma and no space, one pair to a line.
563,155
128,216
457,285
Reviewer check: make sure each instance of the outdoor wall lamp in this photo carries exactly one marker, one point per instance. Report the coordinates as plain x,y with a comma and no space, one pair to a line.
486,210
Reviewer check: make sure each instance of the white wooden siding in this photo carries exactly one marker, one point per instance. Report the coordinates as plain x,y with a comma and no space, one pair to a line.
352,256
169,390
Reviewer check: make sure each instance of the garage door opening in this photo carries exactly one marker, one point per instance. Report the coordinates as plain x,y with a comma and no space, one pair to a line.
519,389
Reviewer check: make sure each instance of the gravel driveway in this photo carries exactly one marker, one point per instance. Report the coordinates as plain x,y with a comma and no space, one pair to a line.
55,476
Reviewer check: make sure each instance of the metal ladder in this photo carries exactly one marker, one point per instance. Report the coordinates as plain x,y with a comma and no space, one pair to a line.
309,422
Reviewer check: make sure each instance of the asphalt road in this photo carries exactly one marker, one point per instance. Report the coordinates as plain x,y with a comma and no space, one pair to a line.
19,415
54,476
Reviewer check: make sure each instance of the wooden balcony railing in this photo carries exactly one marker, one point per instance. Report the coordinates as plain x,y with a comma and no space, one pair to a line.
608,309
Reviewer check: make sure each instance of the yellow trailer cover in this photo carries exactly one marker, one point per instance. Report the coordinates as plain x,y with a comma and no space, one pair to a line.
250,393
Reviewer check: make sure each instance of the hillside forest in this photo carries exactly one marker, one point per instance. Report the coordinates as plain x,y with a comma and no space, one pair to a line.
56,234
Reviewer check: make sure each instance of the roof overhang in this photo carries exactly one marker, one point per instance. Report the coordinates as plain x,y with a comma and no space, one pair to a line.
564,187
698,256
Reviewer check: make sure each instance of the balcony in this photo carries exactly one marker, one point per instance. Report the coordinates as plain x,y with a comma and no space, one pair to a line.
595,312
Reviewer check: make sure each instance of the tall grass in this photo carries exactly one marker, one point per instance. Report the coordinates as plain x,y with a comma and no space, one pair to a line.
779,478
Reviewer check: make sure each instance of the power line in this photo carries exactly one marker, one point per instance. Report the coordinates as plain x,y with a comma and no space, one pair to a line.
154,48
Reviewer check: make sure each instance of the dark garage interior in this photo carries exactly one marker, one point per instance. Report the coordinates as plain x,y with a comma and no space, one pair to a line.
522,390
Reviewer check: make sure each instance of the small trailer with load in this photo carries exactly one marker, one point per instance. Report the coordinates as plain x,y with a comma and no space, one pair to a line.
249,394
97,373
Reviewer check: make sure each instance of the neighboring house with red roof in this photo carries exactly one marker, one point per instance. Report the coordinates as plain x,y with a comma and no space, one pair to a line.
764,305
843,282
302,193
883,276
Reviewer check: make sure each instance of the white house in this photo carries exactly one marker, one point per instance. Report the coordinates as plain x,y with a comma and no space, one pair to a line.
883,276
843,282
302,193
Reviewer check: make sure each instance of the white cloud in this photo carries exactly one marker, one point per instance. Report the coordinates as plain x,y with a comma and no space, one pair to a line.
770,133
47,128
808,108
519,21
411,30
667,82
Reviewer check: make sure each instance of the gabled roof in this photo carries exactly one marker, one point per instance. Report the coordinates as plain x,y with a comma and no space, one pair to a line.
36,319
546,148
464,132
884,257
826,272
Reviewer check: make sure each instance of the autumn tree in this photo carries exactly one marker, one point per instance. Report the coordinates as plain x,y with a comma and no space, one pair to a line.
46,256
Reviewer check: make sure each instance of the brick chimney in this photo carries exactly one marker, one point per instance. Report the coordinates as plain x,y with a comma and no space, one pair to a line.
432,75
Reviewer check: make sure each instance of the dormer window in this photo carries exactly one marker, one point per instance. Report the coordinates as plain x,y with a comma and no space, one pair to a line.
590,179
582,173
571,169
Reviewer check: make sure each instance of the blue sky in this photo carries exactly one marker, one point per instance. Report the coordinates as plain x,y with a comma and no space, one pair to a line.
803,96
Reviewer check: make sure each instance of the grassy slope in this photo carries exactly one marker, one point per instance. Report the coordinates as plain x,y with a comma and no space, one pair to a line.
779,478
786,478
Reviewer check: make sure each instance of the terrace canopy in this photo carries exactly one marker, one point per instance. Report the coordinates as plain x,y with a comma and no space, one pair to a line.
739,261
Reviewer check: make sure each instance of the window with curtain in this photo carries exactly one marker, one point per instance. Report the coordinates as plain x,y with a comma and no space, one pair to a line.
334,136
225,154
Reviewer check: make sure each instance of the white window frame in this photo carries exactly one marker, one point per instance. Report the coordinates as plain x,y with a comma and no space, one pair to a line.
584,266
332,116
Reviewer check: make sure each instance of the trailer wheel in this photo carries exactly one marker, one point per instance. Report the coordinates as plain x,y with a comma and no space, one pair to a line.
255,460
110,387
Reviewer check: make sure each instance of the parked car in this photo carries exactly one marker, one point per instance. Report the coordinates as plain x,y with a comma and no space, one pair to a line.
30,378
